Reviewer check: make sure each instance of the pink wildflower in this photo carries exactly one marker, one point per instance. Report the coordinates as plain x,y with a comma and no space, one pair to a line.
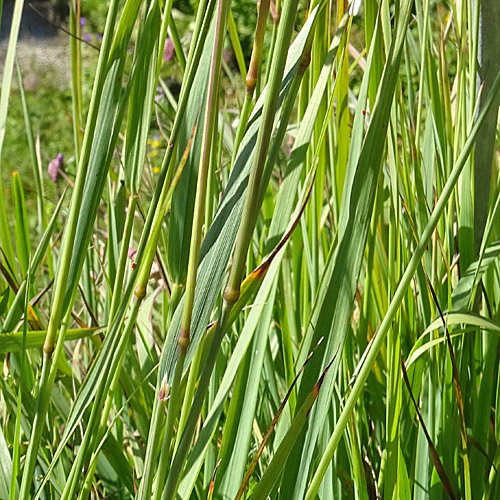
55,166
168,50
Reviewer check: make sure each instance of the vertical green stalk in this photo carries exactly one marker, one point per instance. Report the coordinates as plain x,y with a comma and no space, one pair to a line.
21,224
163,34
212,108
8,70
399,294
47,376
189,392
40,195
251,207
122,261
251,211
179,52
276,17
421,87
393,405
253,73
76,74
17,432
235,41
157,418
488,67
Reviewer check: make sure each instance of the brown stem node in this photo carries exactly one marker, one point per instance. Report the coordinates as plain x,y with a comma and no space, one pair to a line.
231,295
140,292
183,340
48,349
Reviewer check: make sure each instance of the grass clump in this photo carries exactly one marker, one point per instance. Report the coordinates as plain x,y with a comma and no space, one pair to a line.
279,280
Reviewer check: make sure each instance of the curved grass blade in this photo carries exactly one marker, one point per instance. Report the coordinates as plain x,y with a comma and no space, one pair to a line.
463,291
11,342
452,318
278,461
219,240
15,311
398,297
432,449
355,214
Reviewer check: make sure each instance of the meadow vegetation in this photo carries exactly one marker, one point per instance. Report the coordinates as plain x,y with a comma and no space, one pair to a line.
252,252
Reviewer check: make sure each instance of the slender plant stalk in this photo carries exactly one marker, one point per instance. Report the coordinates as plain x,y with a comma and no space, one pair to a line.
76,74
179,51
8,70
249,217
253,73
276,18
421,86
233,35
15,454
196,237
251,206
46,382
42,217
189,392
123,259
374,348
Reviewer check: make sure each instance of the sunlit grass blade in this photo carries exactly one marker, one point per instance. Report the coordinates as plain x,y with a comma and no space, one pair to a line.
15,311
10,342
5,467
357,203
23,244
332,183
374,349
8,70
220,236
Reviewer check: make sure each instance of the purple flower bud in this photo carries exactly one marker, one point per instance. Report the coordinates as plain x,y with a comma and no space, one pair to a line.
98,37
87,37
83,20
55,166
168,50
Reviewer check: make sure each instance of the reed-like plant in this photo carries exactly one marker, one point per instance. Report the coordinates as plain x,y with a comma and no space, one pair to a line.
300,299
